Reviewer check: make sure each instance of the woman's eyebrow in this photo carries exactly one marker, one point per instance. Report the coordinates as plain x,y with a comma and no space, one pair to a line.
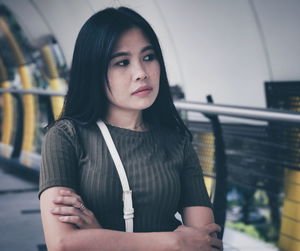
146,48
119,54
124,53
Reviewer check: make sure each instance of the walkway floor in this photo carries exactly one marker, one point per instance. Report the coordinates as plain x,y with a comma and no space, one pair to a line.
21,229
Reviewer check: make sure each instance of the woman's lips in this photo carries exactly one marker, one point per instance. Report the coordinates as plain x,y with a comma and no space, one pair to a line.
143,93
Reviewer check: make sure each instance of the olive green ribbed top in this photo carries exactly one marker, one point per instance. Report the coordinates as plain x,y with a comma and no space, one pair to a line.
79,159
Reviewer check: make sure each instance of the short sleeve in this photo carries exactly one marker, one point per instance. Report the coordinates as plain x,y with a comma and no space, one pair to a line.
193,190
59,166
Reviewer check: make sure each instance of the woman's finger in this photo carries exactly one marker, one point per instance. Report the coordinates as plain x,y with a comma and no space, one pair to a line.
67,200
72,208
212,227
66,211
216,243
70,193
70,198
72,219
80,220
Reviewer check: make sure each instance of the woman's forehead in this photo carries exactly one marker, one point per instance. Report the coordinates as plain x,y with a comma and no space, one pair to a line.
131,39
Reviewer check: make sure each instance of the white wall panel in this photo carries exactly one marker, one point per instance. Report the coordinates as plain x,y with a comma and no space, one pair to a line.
219,50
65,18
280,22
97,5
210,46
28,18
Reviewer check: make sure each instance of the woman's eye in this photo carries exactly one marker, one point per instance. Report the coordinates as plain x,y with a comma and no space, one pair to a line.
149,57
123,62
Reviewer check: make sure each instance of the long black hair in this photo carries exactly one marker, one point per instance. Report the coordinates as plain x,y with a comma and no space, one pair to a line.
86,100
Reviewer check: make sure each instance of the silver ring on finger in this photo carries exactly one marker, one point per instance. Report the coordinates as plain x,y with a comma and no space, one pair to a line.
81,206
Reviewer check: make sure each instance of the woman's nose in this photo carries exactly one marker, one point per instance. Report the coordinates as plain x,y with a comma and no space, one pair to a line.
141,76
140,73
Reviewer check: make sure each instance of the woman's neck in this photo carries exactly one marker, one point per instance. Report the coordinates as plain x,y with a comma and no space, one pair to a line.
129,120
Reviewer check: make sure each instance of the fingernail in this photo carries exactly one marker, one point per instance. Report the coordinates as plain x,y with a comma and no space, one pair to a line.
54,210
58,199
64,191
62,218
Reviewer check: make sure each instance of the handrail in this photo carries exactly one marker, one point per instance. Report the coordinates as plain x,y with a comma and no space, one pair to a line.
213,109
240,112
36,91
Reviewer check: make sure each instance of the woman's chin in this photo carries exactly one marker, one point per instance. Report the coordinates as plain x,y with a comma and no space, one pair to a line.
145,105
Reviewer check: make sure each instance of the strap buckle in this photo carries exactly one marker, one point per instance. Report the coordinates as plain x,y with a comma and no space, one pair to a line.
127,195
128,214
128,210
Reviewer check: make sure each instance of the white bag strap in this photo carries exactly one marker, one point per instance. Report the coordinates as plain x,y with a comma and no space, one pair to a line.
128,210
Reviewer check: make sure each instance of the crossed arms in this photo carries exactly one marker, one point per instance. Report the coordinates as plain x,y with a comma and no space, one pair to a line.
197,233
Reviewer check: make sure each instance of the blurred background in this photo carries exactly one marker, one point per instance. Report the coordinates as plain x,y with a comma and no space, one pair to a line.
234,70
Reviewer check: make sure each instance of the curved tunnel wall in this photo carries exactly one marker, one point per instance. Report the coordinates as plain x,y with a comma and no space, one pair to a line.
26,66
223,48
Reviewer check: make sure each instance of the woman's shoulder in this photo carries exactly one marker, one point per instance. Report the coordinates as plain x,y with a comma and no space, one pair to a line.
176,135
173,138
72,129
65,127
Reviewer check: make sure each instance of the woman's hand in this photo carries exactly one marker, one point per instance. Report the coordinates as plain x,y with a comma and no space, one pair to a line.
70,209
204,238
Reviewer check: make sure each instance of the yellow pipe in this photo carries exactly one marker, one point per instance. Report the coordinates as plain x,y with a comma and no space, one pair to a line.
7,123
288,244
292,191
29,110
12,42
206,153
3,73
291,209
7,120
289,227
28,99
57,102
50,62
290,222
292,176
54,80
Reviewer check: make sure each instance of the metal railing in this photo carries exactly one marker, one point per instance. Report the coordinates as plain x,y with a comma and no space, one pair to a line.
230,133
213,109
240,112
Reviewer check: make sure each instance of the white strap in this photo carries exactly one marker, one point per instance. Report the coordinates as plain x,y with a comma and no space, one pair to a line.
128,210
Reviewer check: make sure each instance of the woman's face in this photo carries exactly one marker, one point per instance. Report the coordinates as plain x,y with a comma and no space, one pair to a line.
133,73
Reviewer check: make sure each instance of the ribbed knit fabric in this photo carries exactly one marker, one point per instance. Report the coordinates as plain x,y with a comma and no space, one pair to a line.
161,185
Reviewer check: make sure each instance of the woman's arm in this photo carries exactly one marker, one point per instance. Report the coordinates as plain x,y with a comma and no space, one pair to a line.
197,216
64,236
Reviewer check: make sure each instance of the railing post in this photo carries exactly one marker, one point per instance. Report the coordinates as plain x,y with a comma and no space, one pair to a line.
220,198
17,145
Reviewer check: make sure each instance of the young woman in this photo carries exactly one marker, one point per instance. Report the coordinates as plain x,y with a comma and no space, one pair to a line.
118,76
